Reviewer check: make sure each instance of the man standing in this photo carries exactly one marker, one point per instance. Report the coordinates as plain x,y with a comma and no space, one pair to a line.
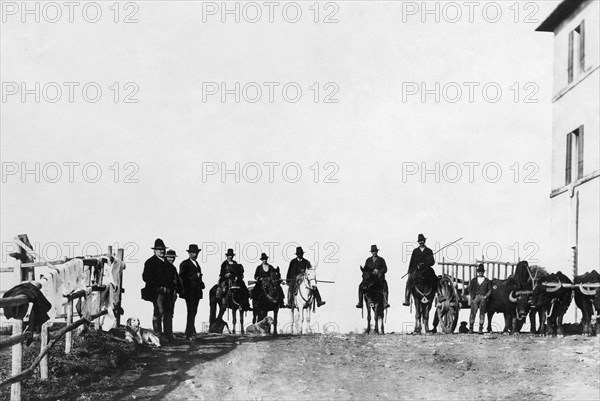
480,289
154,269
233,272
299,266
376,266
167,293
191,276
421,257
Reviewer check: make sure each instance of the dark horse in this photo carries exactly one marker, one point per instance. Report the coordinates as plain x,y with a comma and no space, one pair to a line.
423,292
372,287
264,298
232,300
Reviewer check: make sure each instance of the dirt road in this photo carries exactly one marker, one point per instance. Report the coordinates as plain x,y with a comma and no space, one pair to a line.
342,367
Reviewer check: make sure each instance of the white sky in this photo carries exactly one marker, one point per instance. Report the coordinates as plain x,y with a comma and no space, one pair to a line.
367,135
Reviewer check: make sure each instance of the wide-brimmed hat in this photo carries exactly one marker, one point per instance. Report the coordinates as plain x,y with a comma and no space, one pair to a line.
230,252
480,268
159,244
299,251
193,248
421,238
264,256
374,248
171,254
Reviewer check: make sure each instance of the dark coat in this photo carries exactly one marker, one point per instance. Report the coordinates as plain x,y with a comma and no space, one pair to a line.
235,269
158,273
485,288
418,257
39,310
260,273
296,267
191,276
378,265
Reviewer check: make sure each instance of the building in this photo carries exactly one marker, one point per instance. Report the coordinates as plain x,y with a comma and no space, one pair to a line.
575,192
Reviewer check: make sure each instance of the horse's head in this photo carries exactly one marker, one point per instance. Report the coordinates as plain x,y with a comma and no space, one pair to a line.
270,285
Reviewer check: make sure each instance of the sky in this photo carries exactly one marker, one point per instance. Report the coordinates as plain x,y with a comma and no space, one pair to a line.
370,128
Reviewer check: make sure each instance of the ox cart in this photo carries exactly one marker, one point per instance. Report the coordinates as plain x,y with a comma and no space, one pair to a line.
453,289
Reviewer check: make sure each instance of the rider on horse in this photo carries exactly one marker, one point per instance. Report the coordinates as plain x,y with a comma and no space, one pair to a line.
376,266
265,270
421,257
232,272
298,266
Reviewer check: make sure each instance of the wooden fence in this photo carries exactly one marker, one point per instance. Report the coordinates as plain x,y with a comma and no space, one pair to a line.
18,336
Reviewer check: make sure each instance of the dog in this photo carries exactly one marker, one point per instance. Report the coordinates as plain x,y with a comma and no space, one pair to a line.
463,329
218,326
263,327
135,333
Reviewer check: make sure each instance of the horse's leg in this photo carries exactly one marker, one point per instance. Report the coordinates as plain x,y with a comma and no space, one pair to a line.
234,319
376,317
308,328
275,313
417,316
368,331
426,317
381,319
241,320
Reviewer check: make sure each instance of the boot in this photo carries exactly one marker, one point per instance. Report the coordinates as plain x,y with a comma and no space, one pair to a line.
320,302
359,305
157,325
168,325
406,297
471,328
385,300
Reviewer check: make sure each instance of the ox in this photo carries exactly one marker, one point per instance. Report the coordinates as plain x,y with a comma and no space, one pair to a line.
552,298
587,298
506,298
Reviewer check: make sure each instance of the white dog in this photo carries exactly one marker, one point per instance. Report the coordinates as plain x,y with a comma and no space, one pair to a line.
137,334
263,327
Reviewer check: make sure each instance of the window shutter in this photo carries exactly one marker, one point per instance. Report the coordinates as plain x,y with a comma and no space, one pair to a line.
580,152
568,164
582,46
570,66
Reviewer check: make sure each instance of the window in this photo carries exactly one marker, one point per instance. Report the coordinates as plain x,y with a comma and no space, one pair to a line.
574,155
576,52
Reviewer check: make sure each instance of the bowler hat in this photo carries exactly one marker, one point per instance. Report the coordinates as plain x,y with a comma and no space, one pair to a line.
299,251
264,256
374,248
171,253
159,244
480,268
230,252
421,238
193,248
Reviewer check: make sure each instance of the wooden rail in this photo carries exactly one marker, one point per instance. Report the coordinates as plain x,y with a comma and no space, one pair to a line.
18,336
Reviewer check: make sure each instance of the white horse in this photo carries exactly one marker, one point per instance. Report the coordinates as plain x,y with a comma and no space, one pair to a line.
304,301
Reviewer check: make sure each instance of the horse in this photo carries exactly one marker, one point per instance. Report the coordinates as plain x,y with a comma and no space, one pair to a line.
303,300
265,298
423,293
233,301
372,287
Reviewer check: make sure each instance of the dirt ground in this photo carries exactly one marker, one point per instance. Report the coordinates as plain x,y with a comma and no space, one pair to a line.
325,367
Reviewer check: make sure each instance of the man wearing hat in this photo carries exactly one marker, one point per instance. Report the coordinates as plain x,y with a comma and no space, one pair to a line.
299,266
421,257
191,277
265,270
480,289
375,265
161,285
230,269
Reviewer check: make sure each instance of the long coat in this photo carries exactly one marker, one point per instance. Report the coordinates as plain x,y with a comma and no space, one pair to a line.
418,257
378,265
235,269
158,273
296,267
191,276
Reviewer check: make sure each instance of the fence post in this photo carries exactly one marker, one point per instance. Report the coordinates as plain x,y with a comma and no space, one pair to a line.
120,256
17,361
68,334
43,345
